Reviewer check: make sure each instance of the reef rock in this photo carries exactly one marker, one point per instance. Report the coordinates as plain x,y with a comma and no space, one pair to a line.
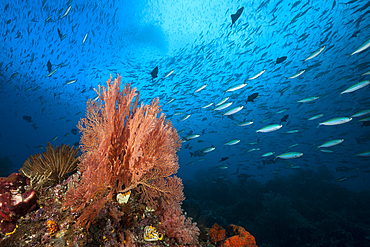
16,199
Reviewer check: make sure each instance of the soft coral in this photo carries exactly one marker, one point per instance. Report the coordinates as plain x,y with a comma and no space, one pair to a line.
176,225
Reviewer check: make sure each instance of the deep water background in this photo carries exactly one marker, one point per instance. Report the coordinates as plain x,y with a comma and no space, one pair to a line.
194,38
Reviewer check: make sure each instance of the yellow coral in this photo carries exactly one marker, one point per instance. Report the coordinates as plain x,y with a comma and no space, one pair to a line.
52,227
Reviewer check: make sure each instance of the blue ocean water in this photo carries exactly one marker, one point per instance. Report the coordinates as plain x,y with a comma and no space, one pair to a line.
285,51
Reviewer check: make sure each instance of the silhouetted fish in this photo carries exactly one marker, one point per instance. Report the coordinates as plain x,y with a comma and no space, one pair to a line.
60,34
284,118
236,16
354,35
74,131
49,66
269,160
237,171
281,59
197,154
365,123
154,73
224,158
252,97
27,118
244,177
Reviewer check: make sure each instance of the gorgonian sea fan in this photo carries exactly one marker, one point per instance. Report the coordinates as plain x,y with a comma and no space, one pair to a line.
124,147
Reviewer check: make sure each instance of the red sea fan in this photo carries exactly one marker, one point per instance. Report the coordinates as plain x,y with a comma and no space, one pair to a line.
175,225
124,148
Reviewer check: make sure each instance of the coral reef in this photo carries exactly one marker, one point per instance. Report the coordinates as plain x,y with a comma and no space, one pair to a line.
51,166
115,225
16,199
124,148
124,192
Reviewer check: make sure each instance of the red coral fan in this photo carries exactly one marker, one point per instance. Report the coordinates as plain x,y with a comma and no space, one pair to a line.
124,147
176,225
15,200
217,233
242,238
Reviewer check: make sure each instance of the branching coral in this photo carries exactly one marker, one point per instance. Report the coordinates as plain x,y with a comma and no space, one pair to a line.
124,147
51,166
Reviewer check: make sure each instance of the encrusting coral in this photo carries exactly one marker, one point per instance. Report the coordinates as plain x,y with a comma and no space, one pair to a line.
124,148
51,166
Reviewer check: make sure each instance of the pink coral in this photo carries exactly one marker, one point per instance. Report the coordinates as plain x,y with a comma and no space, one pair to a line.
175,225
